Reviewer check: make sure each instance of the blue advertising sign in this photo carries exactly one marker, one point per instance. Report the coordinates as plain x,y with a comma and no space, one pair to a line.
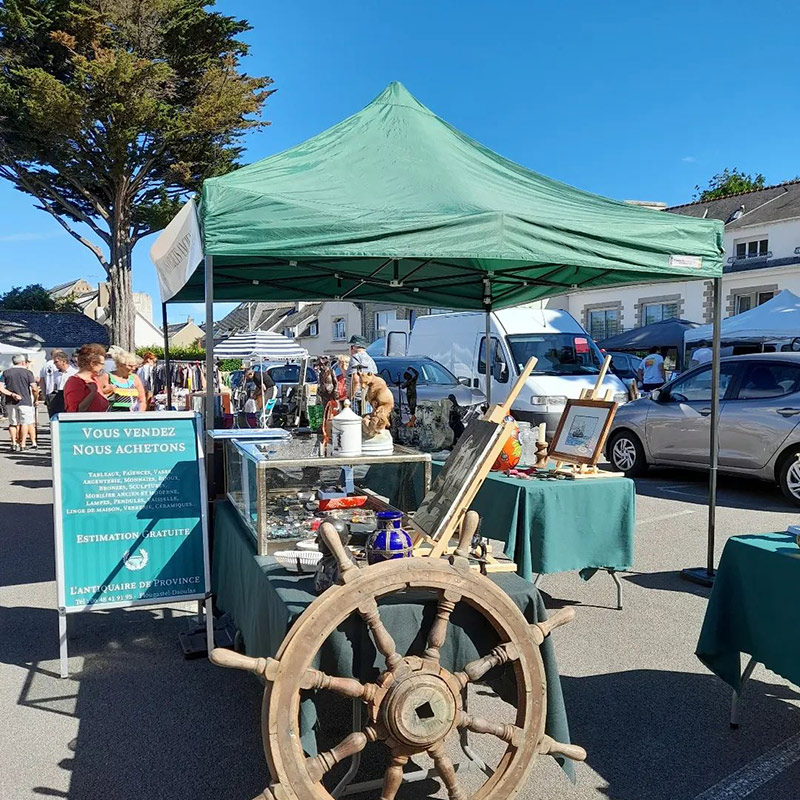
130,510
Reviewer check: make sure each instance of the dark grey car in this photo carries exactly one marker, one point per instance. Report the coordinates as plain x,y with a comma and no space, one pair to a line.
758,424
434,383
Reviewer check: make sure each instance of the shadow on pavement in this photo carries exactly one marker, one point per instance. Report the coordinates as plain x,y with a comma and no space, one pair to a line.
691,486
44,483
669,581
26,548
151,724
665,735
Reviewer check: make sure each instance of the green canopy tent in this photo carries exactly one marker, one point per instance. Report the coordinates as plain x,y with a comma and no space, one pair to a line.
395,205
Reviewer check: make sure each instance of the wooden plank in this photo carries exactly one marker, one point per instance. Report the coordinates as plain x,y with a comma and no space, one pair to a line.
471,490
497,413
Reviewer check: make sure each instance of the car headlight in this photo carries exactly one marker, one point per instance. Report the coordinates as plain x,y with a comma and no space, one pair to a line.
621,397
548,400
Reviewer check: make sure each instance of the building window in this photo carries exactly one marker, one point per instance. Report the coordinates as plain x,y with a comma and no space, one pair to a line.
748,300
753,248
288,332
339,329
383,319
313,329
658,312
603,322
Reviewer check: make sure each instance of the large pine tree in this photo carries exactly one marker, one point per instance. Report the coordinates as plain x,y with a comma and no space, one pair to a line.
112,111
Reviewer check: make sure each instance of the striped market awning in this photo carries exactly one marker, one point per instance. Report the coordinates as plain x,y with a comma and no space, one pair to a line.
261,344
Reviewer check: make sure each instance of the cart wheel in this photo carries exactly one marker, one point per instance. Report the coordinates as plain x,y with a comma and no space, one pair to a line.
415,704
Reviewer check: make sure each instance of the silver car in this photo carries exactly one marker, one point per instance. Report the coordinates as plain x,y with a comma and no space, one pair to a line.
759,424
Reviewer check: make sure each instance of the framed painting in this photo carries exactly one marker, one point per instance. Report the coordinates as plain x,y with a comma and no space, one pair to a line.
582,431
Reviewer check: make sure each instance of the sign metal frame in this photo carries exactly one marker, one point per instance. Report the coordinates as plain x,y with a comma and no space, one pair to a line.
203,598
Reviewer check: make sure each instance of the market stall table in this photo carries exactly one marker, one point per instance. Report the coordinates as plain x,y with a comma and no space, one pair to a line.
548,526
754,608
265,600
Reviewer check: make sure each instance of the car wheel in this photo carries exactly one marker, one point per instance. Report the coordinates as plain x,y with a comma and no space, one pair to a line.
789,477
626,454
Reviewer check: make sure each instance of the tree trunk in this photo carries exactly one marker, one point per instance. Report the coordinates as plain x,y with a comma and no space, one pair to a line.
121,307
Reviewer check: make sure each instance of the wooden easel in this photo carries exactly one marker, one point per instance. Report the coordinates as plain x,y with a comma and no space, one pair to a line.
438,546
596,393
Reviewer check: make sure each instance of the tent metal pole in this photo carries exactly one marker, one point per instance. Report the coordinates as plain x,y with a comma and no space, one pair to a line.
166,354
714,435
209,410
705,575
487,352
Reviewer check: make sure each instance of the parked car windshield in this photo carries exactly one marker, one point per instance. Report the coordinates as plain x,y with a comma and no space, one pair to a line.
290,373
431,373
556,353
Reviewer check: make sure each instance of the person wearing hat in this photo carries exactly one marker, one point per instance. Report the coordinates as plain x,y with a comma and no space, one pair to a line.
360,361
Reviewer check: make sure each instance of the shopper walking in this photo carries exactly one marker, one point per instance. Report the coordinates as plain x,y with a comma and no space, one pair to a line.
21,390
83,391
125,390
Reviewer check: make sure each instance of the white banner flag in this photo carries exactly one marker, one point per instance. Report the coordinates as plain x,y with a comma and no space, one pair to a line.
177,251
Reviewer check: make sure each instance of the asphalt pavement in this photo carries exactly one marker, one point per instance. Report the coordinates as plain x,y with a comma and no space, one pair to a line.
135,720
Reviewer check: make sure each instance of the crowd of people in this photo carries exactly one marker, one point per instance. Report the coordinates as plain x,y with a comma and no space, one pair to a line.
90,379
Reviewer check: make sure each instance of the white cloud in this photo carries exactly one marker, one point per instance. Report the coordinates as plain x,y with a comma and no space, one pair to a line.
31,237
688,159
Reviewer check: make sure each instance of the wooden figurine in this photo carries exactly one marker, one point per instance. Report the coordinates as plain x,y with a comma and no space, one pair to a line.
377,394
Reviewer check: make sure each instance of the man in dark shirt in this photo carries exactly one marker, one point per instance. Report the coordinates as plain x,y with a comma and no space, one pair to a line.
19,385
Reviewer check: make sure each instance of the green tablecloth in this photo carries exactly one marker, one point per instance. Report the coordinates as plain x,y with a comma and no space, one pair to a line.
754,608
264,600
548,526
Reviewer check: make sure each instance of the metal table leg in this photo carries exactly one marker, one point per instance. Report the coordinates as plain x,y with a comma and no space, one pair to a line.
736,699
355,761
613,574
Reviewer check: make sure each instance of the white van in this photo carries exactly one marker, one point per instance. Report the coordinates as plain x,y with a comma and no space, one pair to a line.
568,359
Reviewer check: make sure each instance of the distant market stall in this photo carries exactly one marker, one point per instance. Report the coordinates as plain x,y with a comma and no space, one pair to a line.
775,323
667,335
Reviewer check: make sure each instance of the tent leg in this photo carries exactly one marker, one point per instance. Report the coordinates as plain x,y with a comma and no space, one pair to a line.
209,410
705,575
166,354
487,353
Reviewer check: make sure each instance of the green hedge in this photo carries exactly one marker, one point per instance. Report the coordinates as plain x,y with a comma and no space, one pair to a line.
191,354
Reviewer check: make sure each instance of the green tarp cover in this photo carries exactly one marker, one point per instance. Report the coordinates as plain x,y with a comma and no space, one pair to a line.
394,204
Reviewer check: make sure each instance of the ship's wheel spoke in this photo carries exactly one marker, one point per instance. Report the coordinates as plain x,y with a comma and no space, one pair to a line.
447,772
393,777
506,732
349,687
438,631
476,669
318,765
383,639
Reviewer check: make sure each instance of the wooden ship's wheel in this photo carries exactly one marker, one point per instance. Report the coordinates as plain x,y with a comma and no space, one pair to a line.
415,704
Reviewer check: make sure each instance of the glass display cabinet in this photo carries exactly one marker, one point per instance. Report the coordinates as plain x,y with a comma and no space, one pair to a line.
273,484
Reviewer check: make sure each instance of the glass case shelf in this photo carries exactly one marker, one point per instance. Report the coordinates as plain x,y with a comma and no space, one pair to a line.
272,483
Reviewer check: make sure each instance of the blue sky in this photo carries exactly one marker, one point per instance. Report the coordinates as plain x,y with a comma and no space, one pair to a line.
625,99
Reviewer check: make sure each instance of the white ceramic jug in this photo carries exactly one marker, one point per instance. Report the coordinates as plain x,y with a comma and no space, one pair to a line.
346,432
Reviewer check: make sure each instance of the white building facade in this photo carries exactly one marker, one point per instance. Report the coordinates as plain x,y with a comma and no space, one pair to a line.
762,257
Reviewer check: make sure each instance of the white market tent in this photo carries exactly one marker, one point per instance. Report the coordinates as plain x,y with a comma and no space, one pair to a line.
8,351
263,345
776,320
